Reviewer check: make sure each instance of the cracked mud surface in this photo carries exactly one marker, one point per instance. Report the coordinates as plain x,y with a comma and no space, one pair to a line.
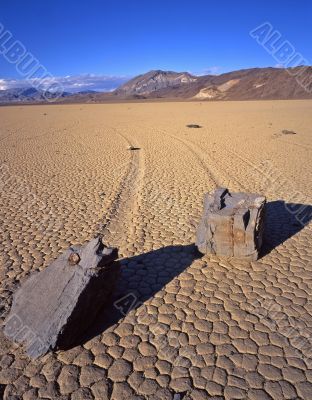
206,328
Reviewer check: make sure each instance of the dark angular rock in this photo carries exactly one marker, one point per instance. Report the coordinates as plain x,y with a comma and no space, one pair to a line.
54,307
232,224
193,126
132,148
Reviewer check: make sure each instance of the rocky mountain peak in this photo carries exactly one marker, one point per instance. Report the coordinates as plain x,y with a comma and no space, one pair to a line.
153,81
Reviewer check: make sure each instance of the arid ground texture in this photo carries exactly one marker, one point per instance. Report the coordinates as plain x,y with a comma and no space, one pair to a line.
201,327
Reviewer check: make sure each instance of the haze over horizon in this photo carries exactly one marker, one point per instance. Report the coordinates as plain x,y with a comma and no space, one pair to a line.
99,46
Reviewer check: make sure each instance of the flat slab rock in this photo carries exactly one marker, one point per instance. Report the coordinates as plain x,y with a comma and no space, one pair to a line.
232,224
54,307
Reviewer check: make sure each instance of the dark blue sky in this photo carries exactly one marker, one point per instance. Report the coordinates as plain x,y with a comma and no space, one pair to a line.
118,37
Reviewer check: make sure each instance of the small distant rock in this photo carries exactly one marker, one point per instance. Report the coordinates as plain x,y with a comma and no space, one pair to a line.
284,132
193,126
131,148
287,132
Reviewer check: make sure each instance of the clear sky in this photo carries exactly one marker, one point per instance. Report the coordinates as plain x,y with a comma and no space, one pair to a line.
125,38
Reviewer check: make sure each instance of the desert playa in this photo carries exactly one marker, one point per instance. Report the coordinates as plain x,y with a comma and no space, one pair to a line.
183,326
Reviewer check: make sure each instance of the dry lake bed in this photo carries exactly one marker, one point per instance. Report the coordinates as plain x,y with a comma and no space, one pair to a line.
198,327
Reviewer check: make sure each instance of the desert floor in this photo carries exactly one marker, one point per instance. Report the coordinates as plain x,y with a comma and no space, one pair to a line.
206,328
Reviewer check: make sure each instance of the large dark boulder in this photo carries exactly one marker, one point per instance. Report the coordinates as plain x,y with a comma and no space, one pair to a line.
232,224
54,307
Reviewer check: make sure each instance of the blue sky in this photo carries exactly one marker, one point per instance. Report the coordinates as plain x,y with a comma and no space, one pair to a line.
118,39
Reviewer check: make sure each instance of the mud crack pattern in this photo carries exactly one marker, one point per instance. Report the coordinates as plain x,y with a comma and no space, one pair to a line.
205,328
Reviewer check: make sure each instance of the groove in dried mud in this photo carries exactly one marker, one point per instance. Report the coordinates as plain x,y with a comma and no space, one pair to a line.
122,217
216,176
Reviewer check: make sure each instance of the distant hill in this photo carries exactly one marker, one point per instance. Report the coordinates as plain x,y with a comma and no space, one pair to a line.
154,81
248,84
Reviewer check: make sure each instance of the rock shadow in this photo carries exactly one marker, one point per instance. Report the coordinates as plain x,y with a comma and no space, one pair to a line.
282,221
144,275
141,277
2,389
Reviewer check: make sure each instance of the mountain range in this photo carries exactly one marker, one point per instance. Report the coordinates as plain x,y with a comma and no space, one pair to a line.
247,84
27,95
